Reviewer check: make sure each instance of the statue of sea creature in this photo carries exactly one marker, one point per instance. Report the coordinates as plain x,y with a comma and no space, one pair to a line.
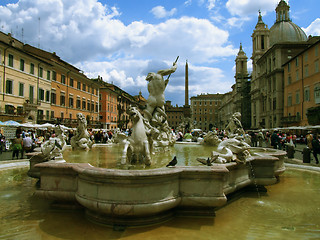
81,140
137,148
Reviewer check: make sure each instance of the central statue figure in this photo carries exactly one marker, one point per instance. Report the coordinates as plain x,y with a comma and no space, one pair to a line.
156,87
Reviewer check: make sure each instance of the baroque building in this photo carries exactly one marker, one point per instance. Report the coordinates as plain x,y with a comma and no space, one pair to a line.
271,49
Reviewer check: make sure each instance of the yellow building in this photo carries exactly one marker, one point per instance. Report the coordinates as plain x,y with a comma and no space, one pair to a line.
25,82
72,92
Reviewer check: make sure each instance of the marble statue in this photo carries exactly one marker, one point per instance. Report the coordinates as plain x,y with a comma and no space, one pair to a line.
81,139
231,149
211,139
234,126
137,148
53,148
150,131
156,87
49,150
119,137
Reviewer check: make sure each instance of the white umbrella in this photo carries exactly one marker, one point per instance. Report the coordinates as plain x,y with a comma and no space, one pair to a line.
45,125
28,125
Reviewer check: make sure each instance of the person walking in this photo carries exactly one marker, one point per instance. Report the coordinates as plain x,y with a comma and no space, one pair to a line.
275,140
316,147
17,144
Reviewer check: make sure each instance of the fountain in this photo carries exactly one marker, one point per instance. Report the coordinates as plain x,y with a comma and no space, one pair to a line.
286,211
134,197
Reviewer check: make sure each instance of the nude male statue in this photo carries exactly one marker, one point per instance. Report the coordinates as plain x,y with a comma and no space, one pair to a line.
156,87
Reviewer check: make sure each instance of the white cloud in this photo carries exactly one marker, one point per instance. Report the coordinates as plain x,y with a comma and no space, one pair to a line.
161,12
89,35
313,29
211,4
248,7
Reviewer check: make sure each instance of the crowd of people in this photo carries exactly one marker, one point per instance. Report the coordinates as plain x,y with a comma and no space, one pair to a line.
27,140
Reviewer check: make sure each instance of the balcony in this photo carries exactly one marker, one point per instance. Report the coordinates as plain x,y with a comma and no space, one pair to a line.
31,104
290,119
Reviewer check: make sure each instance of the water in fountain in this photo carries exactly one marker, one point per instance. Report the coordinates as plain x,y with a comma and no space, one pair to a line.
290,211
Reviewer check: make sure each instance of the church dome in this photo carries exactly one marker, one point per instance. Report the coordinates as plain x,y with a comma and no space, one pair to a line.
284,30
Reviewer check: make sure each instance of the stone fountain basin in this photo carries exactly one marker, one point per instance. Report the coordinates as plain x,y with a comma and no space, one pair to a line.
139,197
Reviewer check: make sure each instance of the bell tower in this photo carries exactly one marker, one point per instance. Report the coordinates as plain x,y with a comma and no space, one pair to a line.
260,43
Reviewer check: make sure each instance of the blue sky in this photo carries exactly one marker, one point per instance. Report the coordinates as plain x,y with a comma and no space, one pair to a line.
123,40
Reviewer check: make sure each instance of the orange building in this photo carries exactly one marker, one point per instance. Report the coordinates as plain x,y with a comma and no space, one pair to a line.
71,91
302,87
113,106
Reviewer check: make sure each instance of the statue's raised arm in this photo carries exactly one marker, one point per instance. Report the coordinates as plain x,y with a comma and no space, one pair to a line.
168,71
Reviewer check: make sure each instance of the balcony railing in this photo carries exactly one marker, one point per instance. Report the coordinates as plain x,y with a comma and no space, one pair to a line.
290,119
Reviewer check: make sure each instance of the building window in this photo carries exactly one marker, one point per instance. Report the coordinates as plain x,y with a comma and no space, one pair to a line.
40,114
316,66
47,96
48,75
297,97
41,72
10,60
71,82
53,98
79,85
52,114
307,94
289,66
83,104
47,115
9,86
21,65
83,87
21,89
41,94
62,115
289,80
316,50
289,100
31,93
306,57
19,110
63,79
317,94
297,62
306,70
70,102
62,100
9,109
32,68
78,103
54,76
88,105
297,75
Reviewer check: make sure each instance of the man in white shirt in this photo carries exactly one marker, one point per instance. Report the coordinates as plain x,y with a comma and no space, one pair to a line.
27,143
